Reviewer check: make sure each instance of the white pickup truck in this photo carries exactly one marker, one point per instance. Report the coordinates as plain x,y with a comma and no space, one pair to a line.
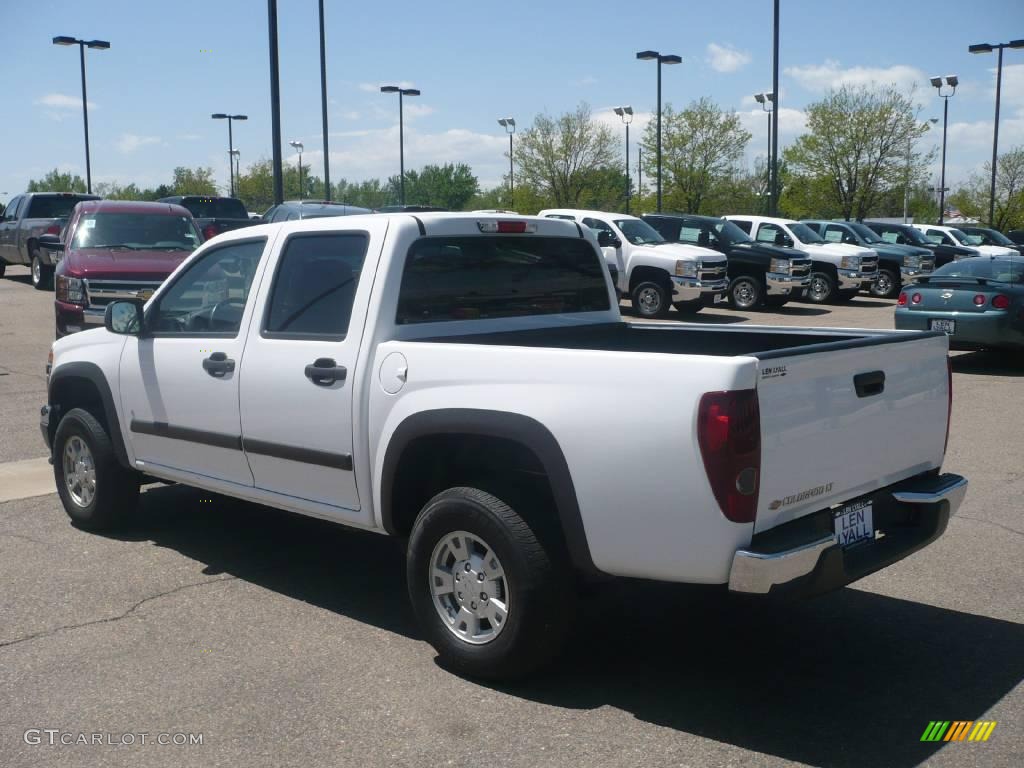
654,273
839,271
457,381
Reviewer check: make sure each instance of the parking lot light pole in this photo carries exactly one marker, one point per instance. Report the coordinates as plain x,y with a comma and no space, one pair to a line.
906,185
99,45
402,92
323,104
988,48
231,142
234,157
626,114
297,146
275,103
950,82
767,102
509,124
773,199
640,173
661,59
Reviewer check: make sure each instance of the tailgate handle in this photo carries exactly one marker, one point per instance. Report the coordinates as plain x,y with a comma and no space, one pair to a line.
869,384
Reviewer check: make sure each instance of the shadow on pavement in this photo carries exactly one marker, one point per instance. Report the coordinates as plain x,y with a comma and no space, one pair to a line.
850,679
25,279
990,362
800,310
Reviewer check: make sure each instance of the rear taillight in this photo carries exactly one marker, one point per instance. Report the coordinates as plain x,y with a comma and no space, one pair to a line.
915,299
729,435
949,403
209,231
506,226
53,229
902,300
1000,302
979,299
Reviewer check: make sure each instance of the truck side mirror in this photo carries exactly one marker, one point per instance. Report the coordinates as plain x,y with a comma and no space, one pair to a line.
901,240
607,239
50,242
124,317
781,238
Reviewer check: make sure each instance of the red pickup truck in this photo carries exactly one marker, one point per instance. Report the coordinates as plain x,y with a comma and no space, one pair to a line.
116,250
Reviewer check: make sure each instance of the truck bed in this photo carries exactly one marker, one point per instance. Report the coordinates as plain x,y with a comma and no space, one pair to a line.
763,343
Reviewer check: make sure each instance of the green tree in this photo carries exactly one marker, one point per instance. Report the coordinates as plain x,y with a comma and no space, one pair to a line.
558,156
972,197
194,181
857,147
371,193
56,181
446,186
702,147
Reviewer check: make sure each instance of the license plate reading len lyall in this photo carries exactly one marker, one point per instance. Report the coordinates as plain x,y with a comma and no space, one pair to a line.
853,523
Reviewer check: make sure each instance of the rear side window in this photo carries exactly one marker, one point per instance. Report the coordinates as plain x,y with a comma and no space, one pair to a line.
315,286
215,208
52,207
477,278
744,225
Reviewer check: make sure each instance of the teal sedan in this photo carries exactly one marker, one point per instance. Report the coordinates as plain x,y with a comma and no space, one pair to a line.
978,302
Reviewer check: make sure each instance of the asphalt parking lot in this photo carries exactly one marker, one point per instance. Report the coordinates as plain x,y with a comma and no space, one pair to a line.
282,640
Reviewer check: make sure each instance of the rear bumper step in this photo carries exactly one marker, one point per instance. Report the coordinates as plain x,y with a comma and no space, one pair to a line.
802,558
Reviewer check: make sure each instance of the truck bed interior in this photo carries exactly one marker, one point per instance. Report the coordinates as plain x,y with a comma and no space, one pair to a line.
674,339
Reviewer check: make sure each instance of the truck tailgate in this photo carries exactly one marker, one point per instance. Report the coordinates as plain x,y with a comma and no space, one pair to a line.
840,423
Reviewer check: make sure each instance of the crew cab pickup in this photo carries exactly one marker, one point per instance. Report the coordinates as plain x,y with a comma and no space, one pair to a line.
437,378
654,273
27,218
759,274
213,215
838,271
907,234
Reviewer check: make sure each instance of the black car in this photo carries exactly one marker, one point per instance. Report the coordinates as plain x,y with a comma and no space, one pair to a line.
904,234
213,215
410,209
1016,235
293,210
896,262
759,273
994,237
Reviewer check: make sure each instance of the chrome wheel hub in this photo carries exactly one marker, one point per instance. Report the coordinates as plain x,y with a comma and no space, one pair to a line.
819,288
37,270
79,471
883,284
650,300
744,294
469,588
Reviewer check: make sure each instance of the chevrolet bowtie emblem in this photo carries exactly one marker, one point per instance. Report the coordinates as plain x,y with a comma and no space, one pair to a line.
947,295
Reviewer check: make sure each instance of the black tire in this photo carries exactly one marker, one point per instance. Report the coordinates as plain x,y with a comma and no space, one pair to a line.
42,275
651,299
746,293
116,489
822,288
886,285
540,595
689,307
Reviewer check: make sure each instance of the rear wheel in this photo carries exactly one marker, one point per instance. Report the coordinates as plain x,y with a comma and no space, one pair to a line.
746,292
822,288
651,299
886,285
493,599
42,274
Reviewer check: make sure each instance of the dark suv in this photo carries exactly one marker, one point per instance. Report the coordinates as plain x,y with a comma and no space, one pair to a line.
293,210
904,234
759,273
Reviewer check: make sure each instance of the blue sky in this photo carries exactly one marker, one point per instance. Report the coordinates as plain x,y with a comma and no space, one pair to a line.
171,65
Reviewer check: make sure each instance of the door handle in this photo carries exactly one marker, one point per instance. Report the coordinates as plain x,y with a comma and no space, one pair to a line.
324,371
869,384
218,365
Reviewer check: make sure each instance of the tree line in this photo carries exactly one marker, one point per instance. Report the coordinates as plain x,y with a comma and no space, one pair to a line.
862,150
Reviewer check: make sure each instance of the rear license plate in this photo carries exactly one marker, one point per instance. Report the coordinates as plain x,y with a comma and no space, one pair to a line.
852,523
946,326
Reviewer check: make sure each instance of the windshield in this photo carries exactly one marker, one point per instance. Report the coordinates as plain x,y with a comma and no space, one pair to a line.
963,238
730,233
215,207
639,232
994,235
1000,270
866,233
137,231
805,234
55,207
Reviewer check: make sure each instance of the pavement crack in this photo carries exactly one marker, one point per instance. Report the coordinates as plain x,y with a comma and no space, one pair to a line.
25,538
990,522
110,619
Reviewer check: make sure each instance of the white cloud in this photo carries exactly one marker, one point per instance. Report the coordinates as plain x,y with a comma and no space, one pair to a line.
129,142
831,74
605,116
349,115
417,110
61,101
189,137
725,58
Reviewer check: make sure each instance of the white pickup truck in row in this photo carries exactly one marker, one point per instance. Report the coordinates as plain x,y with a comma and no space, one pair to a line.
465,383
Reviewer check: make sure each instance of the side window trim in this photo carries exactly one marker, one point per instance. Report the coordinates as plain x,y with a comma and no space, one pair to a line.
167,287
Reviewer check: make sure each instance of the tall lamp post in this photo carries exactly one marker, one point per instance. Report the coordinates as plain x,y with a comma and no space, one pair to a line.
767,102
100,45
234,157
275,103
323,104
626,114
661,59
231,142
988,48
773,199
402,92
906,186
297,146
640,173
509,124
950,82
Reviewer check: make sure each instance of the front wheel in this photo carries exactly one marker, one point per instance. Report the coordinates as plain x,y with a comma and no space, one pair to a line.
42,274
746,292
493,599
822,288
886,285
651,299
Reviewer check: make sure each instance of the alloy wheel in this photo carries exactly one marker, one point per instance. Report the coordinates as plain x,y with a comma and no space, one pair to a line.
469,587
79,471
